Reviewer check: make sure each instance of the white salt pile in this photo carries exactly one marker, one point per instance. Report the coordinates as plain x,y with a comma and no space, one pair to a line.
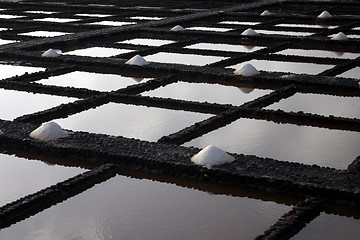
265,13
340,36
211,156
177,28
249,32
137,60
51,53
247,70
48,131
246,90
325,14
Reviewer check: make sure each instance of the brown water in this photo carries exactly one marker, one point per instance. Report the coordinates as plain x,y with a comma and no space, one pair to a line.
145,123
20,177
127,208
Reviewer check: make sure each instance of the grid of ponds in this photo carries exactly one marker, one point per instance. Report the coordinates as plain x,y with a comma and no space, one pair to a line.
294,128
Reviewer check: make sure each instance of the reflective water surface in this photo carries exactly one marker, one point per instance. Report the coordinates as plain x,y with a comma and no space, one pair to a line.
145,123
98,52
147,42
44,34
186,59
290,33
352,73
112,23
224,47
14,104
319,53
126,208
204,92
94,81
309,145
3,42
239,22
8,71
58,20
20,177
215,29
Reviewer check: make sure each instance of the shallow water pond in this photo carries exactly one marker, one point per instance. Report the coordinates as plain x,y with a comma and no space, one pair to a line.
9,16
98,52
20,177
127,208
330,227
204,92
94,81
214,29
44,34
186,59
352,73
224,47
292,67
239,22
3,42
92,15
58,20
14,104
145,123
8,71
318,53
146,18
147,42
289,33
285,142
112,23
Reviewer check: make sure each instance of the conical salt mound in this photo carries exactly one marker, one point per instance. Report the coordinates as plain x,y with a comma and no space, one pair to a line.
246,90
247,70
137,60
249,32
177,28
265,13
340,36
325,14
51,53
211,156
48,131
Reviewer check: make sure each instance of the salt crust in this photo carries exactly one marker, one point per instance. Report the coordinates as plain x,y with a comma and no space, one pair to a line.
246,90
265,13
137,60
325,14
249,32
177,28
211,156
48,131
51,53
340,36
247,70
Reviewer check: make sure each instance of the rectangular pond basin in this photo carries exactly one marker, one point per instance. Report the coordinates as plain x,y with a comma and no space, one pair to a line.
348,107
57,20
92,15
145,123
213,29
93,81
10,16
16,103
3,41
285,142
40,12
44,34
147,42
20,177
186,59
299,25
318,53
292,67
224,47
98,52
289,33
8,71
112,23
205,92
238,22
330,227
352,73
128,208
146,18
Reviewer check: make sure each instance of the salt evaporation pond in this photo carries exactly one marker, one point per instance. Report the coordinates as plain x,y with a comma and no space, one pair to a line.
238,22
3,41
204,92
213,29
127,208
330,227
292,67
21,103
186,59
8,71
145,123
112,23
289,33
304,25
44,34
57,20
285,142
352,73
320,104
318,53
93,81
147,42
98,52
20,177
224,47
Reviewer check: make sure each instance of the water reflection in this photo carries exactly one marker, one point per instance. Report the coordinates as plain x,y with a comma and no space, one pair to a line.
290,33
94,81
224,47
330,227
44,34
318,53
112,23
214,29
146,18
92,15
58,20
303,25
8,71
3,42
20,177
353,73
21,103
125,208
239,22
147,42
145,123
203,92
186,59
309,145
98,52
9,16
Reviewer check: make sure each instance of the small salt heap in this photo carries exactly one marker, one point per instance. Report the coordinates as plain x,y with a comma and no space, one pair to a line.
246,70
211,156
48,131
340,36
137,60
51,53
177,28
246,90
265,13
325,14
249,32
